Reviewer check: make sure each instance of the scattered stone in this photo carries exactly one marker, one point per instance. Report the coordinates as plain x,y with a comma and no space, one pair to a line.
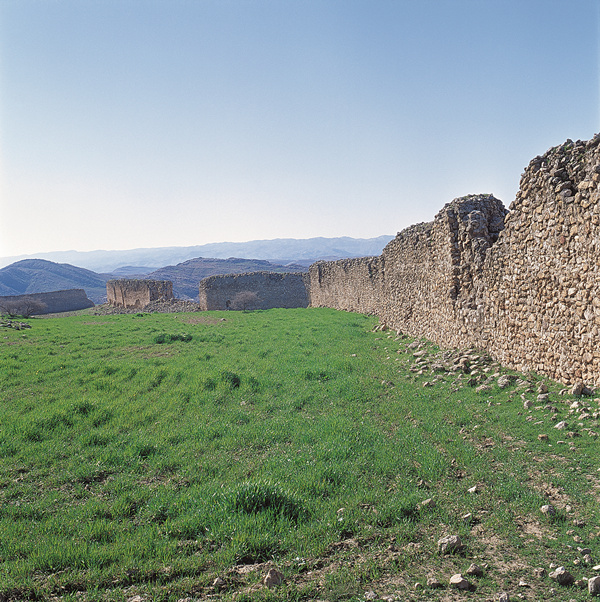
467,518
219,584
539,572
543,437
428,503
370,595
433,583
577,389
504,381
450,544
473,489
475,570
561,425
273,578
587,559
418,585
562,576
542,398
543,388
135,599
594,585
527,404
523,583
548,509
503,597
581,583
483,388
459,582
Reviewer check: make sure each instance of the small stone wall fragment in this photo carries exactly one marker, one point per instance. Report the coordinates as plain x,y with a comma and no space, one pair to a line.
136,294
54,302
270,289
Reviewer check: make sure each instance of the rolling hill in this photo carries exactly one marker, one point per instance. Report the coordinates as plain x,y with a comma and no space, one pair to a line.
42,276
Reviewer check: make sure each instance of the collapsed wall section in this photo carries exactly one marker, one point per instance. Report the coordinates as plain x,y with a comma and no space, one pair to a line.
254,290
136,294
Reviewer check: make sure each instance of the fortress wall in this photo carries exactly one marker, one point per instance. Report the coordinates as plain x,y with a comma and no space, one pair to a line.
133,293
523,285
273,290
348,284
541,283
55,301
432,272
423,282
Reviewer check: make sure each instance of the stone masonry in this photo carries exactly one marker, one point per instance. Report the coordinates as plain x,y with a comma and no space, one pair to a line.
522,284
271,290
55,301
136,294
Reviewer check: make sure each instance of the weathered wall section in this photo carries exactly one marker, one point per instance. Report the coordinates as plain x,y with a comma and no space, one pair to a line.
137,293
348,284
424,281
542,278
271,289
55,301
524,284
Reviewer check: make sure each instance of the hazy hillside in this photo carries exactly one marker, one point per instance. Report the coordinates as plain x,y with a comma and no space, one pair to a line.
41,276
186,276
280,250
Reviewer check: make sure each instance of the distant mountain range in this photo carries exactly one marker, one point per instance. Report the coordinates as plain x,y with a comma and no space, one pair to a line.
280,250
41,275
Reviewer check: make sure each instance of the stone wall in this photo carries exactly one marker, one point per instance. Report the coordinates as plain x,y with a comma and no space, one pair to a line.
541,287
270,290
424,282
134,294
55,301
523,285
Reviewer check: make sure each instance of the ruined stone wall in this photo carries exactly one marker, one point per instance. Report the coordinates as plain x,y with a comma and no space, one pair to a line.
348,284
523,285
271,289
431,286
424,281
541,285
55,301
137,293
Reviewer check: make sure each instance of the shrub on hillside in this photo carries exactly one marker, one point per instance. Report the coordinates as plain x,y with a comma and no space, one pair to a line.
245,301
25,306
171,338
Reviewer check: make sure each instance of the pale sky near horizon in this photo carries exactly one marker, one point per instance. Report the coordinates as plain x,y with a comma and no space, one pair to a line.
148,123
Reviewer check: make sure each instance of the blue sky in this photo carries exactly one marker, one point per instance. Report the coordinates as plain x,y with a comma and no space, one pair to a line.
142,123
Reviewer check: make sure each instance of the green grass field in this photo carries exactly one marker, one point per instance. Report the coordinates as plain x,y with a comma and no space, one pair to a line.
146,455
